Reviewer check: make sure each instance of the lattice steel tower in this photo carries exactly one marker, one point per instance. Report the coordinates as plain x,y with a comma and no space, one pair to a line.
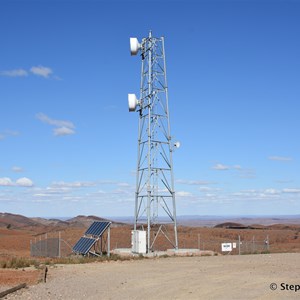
155,196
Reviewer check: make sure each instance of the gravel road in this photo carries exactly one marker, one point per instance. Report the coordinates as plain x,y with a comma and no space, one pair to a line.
216,277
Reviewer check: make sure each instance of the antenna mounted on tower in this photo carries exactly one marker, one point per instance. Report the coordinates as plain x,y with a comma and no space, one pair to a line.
135,46
133,102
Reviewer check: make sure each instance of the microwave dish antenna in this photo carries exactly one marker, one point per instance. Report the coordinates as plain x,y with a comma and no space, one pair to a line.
133,102
177,145
135,46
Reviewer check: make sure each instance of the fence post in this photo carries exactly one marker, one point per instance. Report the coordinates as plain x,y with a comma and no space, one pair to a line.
108,242
59,244
46,245
199,241
40,246
239,245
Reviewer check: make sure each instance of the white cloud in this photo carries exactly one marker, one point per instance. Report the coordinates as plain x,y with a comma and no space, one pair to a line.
6,133
83,184
40,201
208,189
100,192
184,194
17,169
41,71
193,182
63,127
271,191
237,167
220,167
242,172
75,184
57,190
14,73
294,191
124,184
284,181
59,123
247,193
267,193
43,195
11,132
5,181
208,195
61,131
107,182
247,173
24,181
280,158
51,192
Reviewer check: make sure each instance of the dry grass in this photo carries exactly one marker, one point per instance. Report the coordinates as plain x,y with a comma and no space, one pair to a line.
18,262
22,262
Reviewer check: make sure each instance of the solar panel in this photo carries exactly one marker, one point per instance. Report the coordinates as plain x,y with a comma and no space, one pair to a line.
84,245
97,228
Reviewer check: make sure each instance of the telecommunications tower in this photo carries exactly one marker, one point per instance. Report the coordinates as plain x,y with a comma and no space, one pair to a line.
155,205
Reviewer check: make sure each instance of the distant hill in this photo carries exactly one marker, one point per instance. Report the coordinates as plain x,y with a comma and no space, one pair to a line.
231,225
18,221
84,221
15,221
50,222
211,221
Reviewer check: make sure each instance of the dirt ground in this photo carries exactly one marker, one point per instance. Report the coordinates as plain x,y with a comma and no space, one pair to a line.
11,277
215,277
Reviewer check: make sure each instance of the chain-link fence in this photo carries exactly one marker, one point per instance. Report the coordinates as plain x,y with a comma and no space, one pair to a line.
46,248
236,246
50,246
53,244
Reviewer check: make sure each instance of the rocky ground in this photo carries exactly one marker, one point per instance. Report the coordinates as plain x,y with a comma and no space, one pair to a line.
215,277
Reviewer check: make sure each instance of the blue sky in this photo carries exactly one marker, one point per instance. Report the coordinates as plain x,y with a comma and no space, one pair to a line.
69,144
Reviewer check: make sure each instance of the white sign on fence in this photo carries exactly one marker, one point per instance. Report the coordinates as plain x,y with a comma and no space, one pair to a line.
226,247
233,245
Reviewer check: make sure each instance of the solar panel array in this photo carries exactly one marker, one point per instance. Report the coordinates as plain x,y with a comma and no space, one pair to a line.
97,228
84,245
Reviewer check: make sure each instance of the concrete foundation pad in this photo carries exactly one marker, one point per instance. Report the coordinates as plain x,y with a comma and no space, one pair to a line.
122,252
189,252
170,252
